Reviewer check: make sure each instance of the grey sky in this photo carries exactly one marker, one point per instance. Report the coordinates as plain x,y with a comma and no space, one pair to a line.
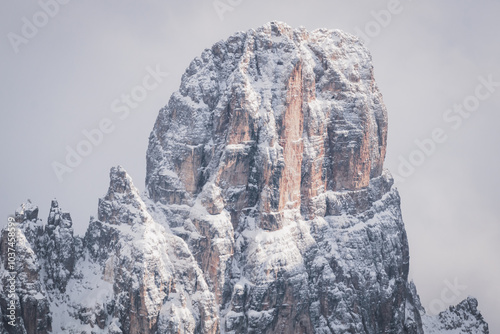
427,58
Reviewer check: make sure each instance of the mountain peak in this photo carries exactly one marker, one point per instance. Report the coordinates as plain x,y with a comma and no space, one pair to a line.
120,181
272,210
122,203
274,123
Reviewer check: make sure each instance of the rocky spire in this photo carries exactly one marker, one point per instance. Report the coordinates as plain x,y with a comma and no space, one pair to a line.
59,247
146,266
57,217
122,203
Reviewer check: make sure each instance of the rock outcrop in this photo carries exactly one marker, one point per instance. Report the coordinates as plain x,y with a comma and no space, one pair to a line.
462,318
59,247
267,210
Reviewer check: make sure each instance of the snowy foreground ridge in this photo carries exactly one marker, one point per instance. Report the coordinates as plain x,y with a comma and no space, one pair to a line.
267,210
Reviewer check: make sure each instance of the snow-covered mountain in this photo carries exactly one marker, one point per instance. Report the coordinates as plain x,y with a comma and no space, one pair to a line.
267,210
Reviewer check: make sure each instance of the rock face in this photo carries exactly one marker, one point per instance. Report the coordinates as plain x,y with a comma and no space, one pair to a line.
267,210
270,119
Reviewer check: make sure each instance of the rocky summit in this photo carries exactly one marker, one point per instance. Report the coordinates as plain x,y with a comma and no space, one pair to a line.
267,210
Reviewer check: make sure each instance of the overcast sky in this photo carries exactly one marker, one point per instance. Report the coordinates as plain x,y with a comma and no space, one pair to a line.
71,71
